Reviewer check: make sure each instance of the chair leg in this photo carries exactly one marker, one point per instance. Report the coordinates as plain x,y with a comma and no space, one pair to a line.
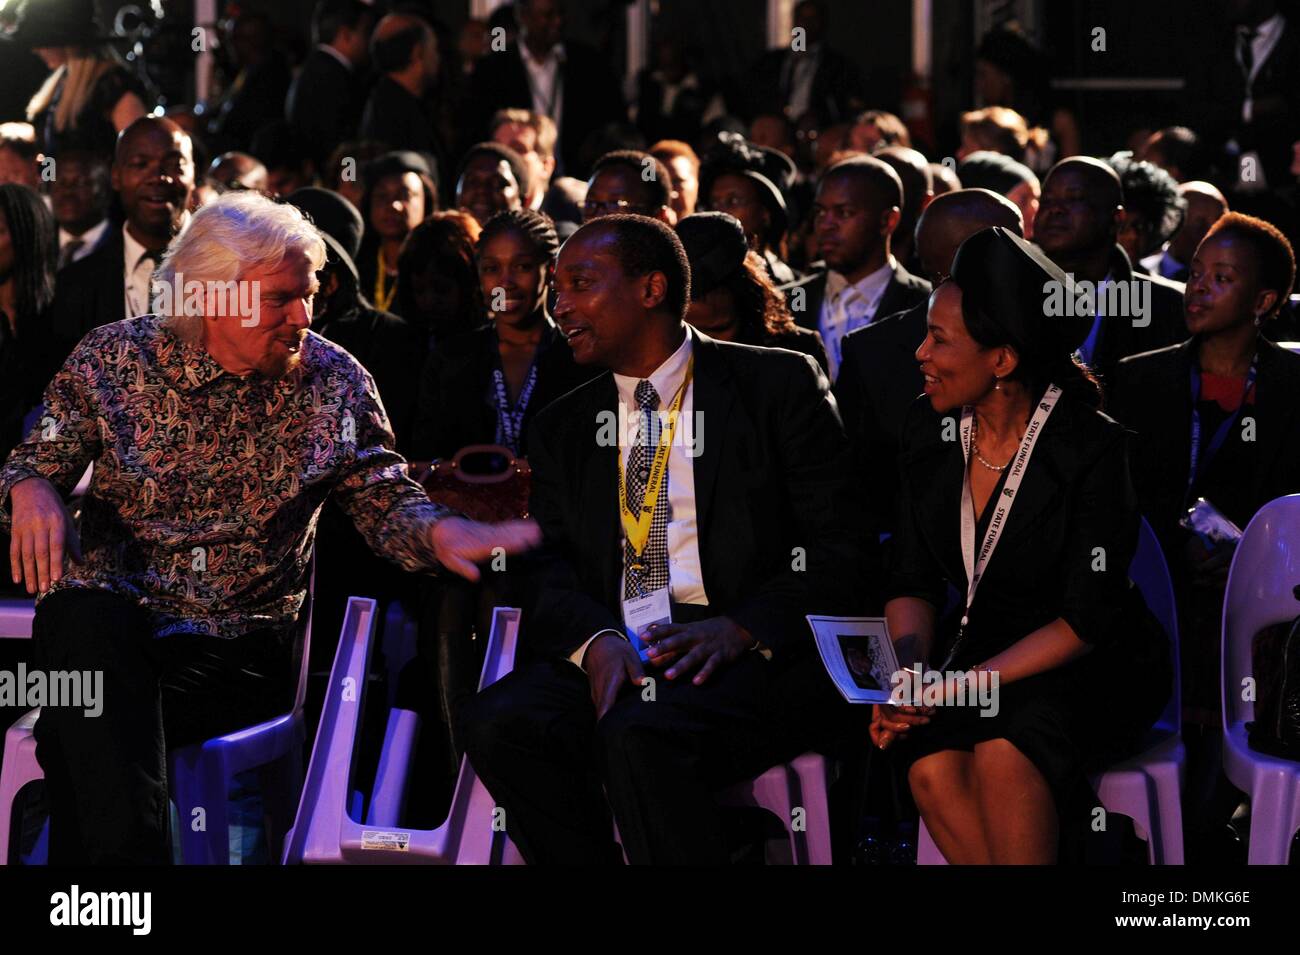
1272,815
813,845
1169,812
202,794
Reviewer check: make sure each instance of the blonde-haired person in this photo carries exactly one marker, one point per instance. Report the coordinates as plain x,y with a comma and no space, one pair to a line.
90,95
213,454
532,136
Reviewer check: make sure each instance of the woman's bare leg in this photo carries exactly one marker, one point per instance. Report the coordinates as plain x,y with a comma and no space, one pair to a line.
943,787
1016,807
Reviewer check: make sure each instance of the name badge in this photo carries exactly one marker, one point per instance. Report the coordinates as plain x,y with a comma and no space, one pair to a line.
640,612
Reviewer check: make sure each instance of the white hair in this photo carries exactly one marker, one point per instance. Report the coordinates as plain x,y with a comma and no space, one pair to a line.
235,234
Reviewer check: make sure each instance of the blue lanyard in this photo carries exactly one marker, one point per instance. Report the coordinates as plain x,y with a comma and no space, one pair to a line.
1221,433
510,421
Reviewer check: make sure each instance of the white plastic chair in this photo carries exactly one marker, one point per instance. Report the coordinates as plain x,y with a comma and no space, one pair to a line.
327,829
1263,590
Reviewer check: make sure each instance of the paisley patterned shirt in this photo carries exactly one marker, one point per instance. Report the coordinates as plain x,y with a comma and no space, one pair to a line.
207,486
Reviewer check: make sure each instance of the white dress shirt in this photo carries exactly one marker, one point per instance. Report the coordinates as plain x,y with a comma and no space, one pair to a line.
544,81
137,271
685,571
90,240
846,307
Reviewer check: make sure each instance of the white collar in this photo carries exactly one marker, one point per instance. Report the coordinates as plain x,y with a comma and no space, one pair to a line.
133,250
1267,29
554,56
90,238
336,54
872,282
667,378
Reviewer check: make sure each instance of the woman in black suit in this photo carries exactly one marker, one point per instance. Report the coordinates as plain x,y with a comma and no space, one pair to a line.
1240,394
1009,451
485,387
732,297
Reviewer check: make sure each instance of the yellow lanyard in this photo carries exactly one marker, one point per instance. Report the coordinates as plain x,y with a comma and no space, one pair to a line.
383,297
637,526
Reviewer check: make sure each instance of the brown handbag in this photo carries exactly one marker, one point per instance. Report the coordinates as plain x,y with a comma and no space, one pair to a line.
485,482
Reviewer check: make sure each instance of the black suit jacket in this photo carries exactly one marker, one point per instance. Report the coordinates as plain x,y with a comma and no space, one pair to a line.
772,476
456,403
393,351
1121,338
1151,395
324,103
878,381
904,291
87,294
1076,496
397,119
592,97
837,89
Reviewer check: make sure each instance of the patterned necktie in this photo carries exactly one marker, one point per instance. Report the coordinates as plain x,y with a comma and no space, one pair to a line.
654,558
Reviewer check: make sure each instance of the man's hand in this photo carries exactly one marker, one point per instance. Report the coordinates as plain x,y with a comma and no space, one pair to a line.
42,533
610,662
460,544
706,645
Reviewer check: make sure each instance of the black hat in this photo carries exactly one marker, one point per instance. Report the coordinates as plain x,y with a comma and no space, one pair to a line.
716,248
995,172
40,23
1005,279
773,171
338,220
397,163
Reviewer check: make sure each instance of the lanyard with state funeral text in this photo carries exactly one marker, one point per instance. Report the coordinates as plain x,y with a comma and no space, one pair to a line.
976,563
637,526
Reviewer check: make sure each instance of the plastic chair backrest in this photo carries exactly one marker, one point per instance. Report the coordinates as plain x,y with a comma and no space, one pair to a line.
1150,573
1263,590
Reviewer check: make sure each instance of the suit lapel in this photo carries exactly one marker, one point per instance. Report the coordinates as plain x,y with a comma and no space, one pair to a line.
1280,402
712,398
598,498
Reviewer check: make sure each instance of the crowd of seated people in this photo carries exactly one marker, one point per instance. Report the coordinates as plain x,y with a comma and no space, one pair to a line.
834,357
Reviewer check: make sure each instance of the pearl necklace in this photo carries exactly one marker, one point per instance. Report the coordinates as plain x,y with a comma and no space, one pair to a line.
974,434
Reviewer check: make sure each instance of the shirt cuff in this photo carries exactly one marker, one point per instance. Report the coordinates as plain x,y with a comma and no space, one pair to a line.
9,476
578,655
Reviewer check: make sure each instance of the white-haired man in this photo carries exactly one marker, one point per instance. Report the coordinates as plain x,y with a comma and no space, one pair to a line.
217,430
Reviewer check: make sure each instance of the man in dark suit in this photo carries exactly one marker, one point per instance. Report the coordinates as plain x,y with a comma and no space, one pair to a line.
1247,92
325,98
405,50
713,573
807,76
857,209
880,377
567,81
1079,216
153,175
